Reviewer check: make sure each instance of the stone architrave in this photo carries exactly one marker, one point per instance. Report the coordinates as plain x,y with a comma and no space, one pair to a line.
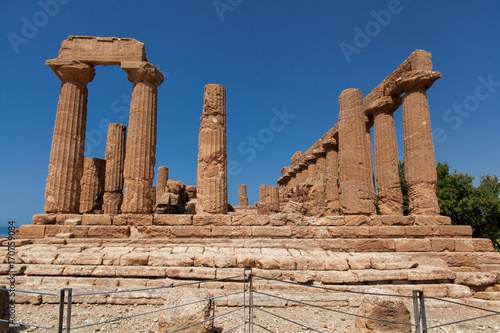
390,195
162,181
141,139
355,177
243,199
92,185
212,156
62,193
115,161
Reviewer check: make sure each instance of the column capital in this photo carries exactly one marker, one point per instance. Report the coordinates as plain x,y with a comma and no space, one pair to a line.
384,104
319,152
411,81
330,143
138,71
72,70
310,158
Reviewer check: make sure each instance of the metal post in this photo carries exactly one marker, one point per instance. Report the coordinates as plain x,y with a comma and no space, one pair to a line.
68,310
250,310
61,312
422,312
245,300
416,311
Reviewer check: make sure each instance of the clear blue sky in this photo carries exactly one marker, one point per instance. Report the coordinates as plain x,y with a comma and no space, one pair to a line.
270,55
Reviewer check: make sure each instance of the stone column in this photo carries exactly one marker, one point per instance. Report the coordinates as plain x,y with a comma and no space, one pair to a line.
303,165
161,183
62,193
355,178
320,155
332,176
141,139
92,185
273,197
390,196
243,199
311,167
420,163
115,161
212,157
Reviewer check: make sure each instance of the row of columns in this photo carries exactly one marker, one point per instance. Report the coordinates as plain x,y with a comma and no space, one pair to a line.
348,164
66,166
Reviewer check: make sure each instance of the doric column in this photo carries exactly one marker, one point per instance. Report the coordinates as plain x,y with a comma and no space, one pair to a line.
332,175
243,199
311,166
355,178
390,196
161,182
92,185
303,165
420,163
273,197
115,161
212,157
62,193
320,155
141,139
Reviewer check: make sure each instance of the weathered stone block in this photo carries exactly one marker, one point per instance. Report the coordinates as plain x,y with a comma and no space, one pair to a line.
476,279
133,219
96,219
108,232
148,231
442,244
464,245
231,231
413,245
355,220
31,231
172,219
134,259
396,220
272,232
191,231
422,231
218,219
375,245
44,219
251,220
483,245
387,231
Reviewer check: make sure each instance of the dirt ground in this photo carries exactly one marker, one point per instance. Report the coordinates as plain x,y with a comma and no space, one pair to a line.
321,320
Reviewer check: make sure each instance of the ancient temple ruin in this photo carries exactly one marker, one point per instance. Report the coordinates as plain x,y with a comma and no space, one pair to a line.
319,225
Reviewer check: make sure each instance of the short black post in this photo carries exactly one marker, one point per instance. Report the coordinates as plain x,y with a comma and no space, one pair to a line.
61,312
416,311
422,311
68,310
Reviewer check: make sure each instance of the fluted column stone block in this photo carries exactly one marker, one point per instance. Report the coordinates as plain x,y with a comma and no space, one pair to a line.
115,161
161,183
356,197
390,195
62,192
92,186
141,139
243,199
212,156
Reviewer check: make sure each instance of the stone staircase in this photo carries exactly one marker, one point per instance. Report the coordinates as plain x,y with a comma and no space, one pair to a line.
394,253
